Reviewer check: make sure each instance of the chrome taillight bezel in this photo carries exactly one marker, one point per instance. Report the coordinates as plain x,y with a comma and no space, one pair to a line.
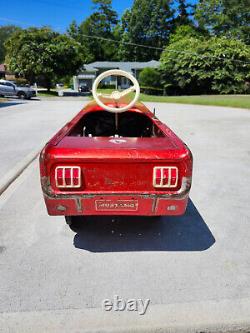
71,185
169,183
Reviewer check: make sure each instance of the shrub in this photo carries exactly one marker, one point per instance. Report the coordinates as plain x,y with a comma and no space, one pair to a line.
150,77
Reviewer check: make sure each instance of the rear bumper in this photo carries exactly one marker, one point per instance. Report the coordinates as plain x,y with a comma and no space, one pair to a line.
143,205
120,203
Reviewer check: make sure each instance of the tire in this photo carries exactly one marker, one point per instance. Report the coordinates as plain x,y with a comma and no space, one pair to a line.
22,95
74,222
68,220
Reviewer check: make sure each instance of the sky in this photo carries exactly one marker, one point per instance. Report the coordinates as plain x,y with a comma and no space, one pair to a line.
57,14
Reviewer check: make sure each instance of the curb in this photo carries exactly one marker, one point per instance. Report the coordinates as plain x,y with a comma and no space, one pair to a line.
14,173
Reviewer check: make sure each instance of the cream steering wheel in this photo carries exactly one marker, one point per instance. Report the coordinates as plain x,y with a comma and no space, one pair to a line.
116,95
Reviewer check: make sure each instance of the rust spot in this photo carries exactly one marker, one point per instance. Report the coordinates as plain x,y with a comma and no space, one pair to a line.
154,205
45,182
61,208
42,155
108,181
78,204
172,208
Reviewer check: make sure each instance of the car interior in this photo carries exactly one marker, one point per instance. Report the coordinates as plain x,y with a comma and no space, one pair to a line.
106,124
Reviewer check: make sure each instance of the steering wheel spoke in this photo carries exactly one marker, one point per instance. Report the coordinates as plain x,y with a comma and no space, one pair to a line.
127,91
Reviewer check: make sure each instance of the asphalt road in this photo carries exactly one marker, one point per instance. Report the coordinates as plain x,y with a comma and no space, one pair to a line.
195,269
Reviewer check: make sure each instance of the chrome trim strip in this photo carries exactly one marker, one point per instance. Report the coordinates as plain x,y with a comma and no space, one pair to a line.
179,195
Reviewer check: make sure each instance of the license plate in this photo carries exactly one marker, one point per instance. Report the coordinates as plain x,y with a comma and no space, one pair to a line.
119,205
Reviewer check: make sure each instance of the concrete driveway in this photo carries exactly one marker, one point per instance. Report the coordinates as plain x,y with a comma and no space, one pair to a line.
195,269
26,126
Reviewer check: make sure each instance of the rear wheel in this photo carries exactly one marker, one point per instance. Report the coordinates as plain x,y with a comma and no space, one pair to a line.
68,220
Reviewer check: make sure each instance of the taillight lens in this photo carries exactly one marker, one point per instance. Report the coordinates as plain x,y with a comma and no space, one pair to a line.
68,177
165,177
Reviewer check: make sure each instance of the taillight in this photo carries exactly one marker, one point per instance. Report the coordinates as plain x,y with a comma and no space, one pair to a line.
165,177
68,177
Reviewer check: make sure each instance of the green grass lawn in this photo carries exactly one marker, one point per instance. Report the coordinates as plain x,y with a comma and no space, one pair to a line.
236,101
45,93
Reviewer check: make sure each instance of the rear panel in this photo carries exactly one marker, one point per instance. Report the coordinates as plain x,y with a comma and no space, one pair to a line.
119,177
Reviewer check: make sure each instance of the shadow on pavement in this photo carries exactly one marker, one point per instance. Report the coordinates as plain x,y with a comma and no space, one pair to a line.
10,103
125,233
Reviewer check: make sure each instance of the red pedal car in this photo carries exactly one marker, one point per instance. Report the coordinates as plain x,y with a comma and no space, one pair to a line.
115,158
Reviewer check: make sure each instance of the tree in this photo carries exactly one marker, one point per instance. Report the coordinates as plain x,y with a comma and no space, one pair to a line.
100,24
5,33
34,53
225,18
194,65
183,13
73,30
185,31
149,22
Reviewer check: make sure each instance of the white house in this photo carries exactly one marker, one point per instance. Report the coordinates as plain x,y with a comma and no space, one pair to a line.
89,72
